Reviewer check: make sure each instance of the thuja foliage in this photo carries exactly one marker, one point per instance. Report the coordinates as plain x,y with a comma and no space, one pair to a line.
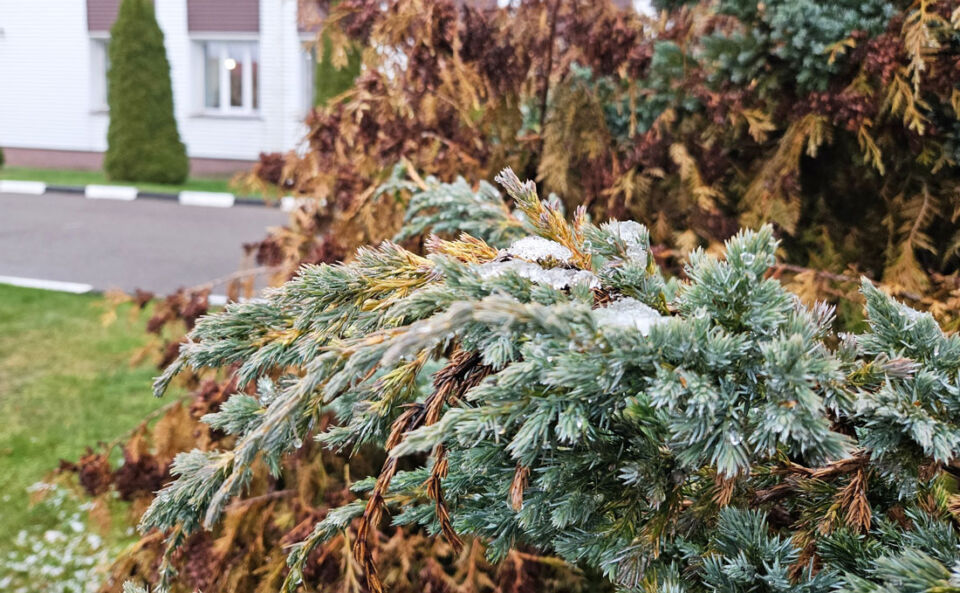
835,121
143,143
450,87
786,106
713,434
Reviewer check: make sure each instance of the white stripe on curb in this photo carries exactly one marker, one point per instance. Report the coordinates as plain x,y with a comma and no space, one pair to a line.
206,198
129,193
74,287
217,300
220,300
9,186
110,192
290,203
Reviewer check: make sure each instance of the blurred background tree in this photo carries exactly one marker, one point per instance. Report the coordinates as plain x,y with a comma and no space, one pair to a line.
143,143
332,80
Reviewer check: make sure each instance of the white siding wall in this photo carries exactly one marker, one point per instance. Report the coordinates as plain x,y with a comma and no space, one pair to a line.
45,77
293,109
45,81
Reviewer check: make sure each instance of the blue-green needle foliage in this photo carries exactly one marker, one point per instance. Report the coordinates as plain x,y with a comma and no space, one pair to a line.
454,208
709,435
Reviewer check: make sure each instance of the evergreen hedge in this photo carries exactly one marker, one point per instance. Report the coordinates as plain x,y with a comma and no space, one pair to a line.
143,141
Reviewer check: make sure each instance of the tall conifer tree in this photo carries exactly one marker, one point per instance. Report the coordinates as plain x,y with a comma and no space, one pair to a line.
143,141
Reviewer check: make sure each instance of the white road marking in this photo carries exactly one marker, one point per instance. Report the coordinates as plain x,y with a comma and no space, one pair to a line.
290,203
217,300
10,186
206,198
55,285
110,192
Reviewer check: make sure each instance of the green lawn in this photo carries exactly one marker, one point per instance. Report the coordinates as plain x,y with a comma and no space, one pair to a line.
65,382
80,178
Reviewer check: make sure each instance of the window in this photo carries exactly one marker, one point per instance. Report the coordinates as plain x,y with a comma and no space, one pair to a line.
231,72
99,64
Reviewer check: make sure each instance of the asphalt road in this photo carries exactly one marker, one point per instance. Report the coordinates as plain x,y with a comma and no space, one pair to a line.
153,245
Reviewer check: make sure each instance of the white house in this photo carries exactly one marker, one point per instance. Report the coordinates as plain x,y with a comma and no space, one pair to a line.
242,74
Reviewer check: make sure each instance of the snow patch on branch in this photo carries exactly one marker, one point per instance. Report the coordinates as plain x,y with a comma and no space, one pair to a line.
537,249
629,313
559,278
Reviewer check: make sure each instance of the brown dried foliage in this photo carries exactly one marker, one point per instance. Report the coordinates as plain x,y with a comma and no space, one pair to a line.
745,156
463,372
470,68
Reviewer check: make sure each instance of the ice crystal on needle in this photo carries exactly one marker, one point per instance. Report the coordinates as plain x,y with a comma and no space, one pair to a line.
634,235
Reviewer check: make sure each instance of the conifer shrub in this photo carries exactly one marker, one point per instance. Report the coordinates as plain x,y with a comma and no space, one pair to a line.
143,143
1,157
709,434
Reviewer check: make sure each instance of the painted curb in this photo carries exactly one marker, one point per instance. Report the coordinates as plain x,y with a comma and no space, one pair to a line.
215,300
206,198
54,285
221,300
110,192
290,203
128,193
35,188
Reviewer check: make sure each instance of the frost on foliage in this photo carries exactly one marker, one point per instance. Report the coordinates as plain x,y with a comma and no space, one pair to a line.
559,278
629,313
735,447
537,259
538,249
633,235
